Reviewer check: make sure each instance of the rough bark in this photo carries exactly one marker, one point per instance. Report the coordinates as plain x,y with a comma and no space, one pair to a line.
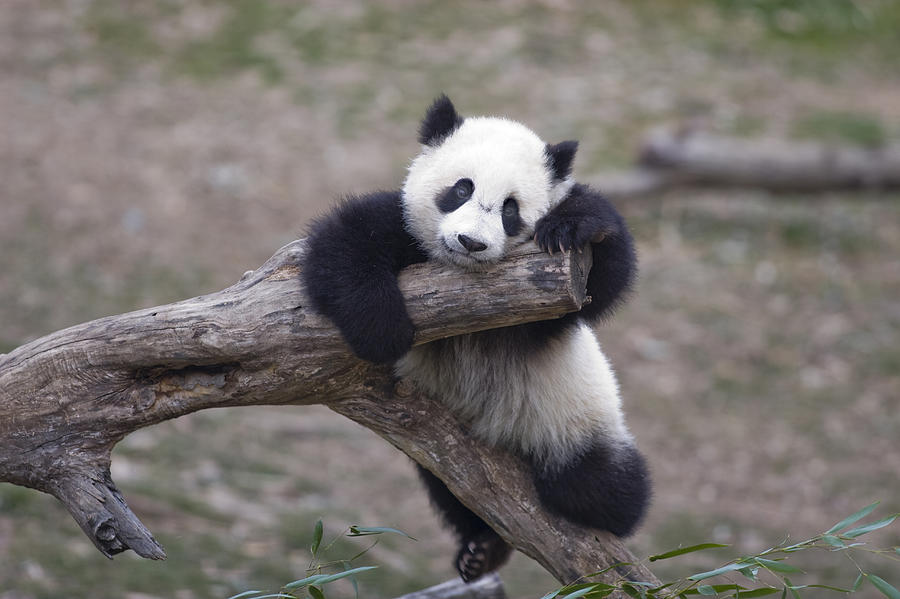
66,399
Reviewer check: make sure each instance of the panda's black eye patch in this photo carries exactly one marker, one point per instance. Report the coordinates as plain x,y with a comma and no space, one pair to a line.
455,196
512,222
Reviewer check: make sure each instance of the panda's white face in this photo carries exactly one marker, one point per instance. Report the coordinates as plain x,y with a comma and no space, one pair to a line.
480,192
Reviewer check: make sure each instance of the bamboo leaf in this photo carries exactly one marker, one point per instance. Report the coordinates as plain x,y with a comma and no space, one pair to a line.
857,582
684,550
760,592
245,594
852,518
861,530
717,571
580,592
297,584
777,566
608,568
344,574
882,585
829,587
833,541
316,593
317,537
718,588
362,531
355,584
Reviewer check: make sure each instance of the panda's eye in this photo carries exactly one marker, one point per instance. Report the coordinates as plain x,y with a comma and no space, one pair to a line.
512,223
455,196
464,188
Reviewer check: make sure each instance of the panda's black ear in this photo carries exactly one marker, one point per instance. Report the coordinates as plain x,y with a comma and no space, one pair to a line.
560,157
440,121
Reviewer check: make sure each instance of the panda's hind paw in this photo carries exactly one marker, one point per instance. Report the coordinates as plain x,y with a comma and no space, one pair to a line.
480,554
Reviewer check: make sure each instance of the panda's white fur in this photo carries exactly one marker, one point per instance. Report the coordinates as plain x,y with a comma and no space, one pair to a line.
503,158
548,404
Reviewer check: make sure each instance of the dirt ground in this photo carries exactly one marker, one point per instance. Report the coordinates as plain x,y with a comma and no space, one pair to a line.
155,151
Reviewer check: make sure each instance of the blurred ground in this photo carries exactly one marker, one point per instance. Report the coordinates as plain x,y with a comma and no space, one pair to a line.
155,151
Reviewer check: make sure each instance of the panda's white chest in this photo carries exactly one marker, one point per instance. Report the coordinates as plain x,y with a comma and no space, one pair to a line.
547,400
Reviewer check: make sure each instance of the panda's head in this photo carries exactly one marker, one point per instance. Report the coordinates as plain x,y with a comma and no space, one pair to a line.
480,184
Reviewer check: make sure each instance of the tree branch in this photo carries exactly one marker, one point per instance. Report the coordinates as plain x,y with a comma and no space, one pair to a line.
677,157
66,399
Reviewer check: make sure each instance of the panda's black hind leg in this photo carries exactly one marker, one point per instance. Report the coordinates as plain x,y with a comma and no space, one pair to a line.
481,550
604,487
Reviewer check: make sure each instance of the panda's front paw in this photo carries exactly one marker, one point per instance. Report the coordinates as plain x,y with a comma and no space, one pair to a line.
382,340
564,233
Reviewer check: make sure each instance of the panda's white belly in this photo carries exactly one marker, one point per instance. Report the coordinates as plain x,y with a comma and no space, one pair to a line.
549,401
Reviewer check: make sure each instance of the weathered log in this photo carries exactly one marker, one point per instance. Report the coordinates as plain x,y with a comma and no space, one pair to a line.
66,399
681,157
699,158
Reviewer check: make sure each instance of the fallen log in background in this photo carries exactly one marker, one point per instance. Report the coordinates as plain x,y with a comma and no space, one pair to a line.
66,399
672,157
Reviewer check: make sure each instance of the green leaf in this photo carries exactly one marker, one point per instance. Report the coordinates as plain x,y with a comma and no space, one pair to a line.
833,541
344,574
717,588
857,582
852,518
705,589
298,584
362,531
861,530
777,566
608,568
275,596
792,588
683,550
552,594
355,584
316,593
317,537
760,592
882,585
897,550
750,572
580,592
245,594
631,591
830,588
717,571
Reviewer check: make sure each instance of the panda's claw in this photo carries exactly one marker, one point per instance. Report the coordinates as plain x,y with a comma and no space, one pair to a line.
481,554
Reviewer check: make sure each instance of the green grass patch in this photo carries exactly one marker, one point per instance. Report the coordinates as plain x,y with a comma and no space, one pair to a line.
842,127
828,27
233,46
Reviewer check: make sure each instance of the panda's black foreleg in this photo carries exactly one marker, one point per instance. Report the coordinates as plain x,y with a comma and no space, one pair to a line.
604,487
585,215
350,274
481,550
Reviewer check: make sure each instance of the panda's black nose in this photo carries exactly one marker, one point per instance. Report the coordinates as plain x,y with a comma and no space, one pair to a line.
470,244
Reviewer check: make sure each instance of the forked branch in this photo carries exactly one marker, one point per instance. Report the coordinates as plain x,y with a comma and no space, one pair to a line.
66,399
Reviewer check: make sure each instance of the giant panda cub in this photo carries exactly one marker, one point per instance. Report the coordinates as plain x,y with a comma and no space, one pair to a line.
480,187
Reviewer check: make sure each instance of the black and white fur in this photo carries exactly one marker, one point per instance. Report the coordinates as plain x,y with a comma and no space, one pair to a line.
479,187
